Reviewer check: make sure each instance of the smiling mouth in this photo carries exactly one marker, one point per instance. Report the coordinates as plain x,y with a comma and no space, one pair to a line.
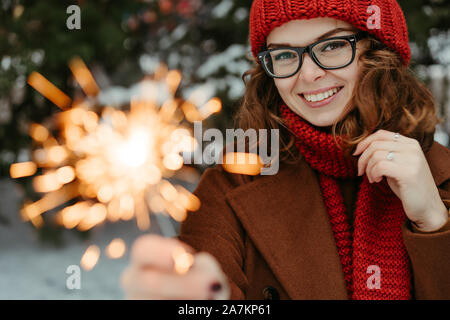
321,96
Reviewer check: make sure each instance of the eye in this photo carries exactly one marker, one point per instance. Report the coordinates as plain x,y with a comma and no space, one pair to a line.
285,55
334,45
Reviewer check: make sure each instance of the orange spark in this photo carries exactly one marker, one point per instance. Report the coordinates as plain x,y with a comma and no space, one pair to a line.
71,216
38,132
212,106
96,215
116,249
83,77
22,169
46,183
142,217
49,90
90,257
160,72
242,163
173,79
190,112
49,201
183,260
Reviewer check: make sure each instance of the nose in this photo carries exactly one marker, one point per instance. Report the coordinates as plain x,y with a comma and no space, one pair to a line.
310,71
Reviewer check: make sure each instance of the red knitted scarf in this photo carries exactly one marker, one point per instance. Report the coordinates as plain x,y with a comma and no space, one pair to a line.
376,242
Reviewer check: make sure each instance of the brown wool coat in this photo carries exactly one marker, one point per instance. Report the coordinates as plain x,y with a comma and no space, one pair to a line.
273,239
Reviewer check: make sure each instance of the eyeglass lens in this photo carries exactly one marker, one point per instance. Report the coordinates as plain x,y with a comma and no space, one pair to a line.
330,54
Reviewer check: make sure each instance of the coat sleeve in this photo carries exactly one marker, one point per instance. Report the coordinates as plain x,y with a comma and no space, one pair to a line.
430,256
215,229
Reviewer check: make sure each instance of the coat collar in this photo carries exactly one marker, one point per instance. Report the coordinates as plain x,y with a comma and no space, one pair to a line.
306,261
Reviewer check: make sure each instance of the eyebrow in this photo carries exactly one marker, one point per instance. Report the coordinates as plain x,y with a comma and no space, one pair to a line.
323,36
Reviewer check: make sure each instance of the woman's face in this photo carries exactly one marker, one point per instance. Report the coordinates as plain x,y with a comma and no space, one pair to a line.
311,82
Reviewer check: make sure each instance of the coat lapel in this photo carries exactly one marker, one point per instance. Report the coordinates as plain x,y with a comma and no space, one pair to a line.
286,218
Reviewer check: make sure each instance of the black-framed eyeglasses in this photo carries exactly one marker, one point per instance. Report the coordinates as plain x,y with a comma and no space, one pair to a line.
329,54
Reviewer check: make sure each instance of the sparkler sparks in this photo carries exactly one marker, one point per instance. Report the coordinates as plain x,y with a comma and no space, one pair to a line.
116,249
114,163
183,260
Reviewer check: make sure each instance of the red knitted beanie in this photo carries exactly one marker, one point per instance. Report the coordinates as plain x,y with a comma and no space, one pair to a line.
266,15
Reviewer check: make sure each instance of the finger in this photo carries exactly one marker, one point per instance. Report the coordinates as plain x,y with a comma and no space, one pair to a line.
130,286
379,135
153,251
376,146
378,155
161,285
383,167
205,262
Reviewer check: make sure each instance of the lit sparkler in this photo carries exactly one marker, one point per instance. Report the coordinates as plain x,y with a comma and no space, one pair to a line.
113,163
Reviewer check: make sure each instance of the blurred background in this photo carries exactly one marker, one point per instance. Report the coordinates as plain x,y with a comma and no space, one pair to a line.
122,42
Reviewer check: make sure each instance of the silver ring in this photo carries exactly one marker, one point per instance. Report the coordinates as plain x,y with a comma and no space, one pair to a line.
390,156
396,136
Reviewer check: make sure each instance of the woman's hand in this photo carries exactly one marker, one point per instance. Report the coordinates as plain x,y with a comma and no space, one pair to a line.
407,174
153,273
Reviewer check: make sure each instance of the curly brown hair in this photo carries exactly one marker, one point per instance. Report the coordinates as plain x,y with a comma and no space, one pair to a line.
387,96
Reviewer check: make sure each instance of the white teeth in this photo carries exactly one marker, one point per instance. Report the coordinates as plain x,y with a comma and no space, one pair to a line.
321,96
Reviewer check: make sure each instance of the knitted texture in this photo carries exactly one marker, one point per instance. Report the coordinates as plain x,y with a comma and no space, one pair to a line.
376,239
265,15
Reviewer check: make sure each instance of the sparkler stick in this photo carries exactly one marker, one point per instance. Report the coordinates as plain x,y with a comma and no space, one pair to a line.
183,260
166,227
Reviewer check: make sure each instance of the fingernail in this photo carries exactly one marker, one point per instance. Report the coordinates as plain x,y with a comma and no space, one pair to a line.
216,286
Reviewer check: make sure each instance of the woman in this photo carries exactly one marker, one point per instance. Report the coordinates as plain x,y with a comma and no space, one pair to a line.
358,207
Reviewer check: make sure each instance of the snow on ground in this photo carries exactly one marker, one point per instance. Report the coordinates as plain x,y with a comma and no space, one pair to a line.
31,270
